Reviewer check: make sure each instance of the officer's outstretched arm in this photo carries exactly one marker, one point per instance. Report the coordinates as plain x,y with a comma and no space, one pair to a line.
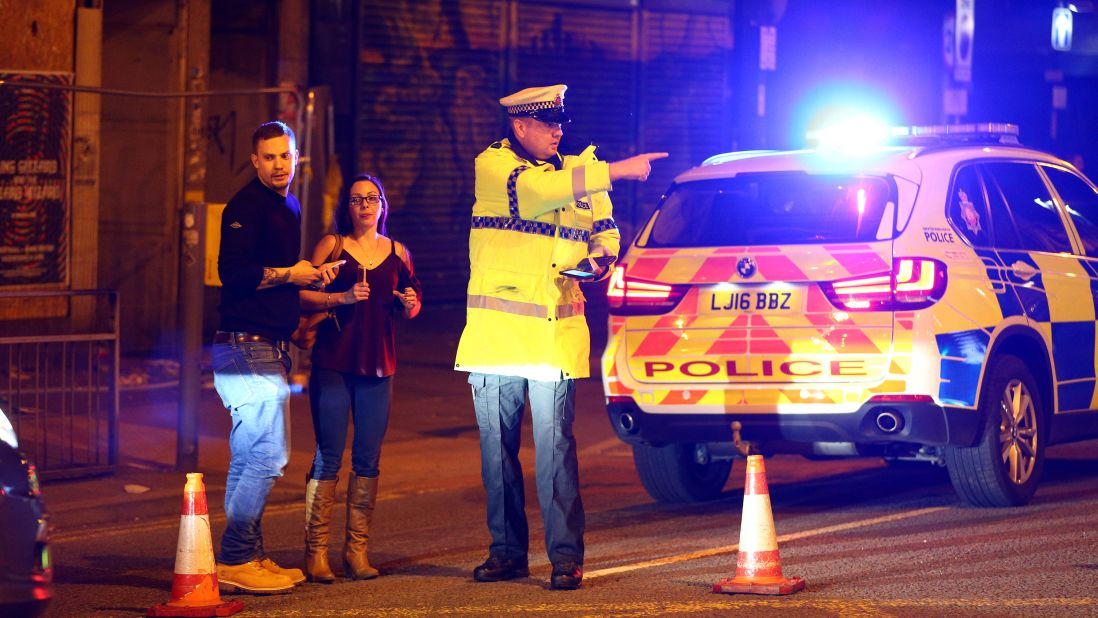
538,190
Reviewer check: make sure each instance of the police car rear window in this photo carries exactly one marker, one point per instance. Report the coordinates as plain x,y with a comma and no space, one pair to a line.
778,208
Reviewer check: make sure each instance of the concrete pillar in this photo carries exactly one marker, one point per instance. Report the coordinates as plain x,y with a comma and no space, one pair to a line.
195,18
86,147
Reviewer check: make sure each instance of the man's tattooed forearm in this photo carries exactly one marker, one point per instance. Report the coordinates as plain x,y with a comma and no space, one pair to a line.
271,276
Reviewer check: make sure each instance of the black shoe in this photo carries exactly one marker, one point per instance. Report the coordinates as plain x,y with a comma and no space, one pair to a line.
497,569
566,576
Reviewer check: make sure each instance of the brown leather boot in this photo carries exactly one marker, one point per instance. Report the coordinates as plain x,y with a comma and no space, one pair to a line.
361,497
319,496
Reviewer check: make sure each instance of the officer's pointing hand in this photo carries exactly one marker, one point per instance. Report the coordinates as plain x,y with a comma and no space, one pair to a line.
636,167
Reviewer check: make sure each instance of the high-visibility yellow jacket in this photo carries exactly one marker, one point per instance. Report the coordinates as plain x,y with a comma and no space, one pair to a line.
530,221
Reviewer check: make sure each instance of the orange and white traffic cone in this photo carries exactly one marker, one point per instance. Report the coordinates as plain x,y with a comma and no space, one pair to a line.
194,586
758,565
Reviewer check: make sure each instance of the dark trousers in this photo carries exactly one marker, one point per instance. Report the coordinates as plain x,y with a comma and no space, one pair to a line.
500,404
334,396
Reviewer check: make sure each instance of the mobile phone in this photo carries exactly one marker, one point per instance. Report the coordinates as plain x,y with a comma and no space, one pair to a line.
576,273
582,271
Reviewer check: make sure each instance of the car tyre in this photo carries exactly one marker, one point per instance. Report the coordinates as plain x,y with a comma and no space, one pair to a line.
671,474
1004,467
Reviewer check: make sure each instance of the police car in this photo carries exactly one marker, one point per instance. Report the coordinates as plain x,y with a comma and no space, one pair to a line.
929,300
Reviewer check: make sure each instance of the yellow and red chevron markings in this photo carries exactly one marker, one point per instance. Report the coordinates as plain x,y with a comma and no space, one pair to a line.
721,362
717,265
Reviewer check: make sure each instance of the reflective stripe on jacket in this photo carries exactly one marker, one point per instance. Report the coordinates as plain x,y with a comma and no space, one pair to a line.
530,221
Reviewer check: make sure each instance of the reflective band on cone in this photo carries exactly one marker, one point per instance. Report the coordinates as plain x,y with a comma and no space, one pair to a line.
194,585
758,564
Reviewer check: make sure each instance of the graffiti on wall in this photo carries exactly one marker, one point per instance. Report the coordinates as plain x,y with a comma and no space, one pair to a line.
430,74
221,131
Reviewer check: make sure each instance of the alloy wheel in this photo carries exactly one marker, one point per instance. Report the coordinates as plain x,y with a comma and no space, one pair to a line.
1017,432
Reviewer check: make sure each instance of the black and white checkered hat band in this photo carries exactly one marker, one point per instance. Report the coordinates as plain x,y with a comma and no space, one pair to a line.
526,108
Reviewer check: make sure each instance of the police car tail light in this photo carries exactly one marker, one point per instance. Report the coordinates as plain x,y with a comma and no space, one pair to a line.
913,283
635,297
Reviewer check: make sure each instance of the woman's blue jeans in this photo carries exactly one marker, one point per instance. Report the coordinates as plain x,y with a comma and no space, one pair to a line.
251,379
334,395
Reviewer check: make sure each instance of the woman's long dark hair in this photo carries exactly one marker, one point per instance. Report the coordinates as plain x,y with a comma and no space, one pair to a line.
344,225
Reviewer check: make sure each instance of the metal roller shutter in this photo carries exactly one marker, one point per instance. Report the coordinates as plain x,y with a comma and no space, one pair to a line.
686,94
426,105
430,74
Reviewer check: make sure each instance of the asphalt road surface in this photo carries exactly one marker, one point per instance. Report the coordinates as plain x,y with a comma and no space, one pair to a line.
870,539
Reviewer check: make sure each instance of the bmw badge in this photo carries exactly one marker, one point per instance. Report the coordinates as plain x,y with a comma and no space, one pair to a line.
746,267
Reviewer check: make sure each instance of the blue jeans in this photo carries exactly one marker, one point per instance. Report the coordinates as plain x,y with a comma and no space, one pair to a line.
333,394
251,379
500,404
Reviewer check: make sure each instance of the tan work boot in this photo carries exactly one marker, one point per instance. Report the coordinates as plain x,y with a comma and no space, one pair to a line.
361,497
319,496
296,576
251,577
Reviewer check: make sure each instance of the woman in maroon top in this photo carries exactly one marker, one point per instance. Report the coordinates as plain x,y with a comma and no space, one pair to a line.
353,363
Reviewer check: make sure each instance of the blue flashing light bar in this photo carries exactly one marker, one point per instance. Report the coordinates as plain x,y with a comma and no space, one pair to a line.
854,138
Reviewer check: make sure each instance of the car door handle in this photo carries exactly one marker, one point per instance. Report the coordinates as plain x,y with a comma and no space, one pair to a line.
994,283
1022,270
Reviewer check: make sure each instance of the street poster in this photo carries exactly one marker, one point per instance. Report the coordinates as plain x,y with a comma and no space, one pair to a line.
35,126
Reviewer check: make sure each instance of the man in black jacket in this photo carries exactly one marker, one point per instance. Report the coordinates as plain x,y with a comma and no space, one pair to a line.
260,272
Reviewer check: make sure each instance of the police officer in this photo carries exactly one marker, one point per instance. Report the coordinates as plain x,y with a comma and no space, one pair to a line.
537,213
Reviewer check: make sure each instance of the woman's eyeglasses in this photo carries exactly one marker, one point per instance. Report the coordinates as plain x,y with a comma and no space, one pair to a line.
373,198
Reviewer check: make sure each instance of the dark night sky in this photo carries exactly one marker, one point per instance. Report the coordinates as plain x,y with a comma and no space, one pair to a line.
888,54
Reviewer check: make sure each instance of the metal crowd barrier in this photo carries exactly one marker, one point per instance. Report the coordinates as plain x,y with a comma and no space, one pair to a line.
59,378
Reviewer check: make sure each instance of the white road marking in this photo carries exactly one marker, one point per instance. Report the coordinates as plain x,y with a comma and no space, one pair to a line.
172,522
599,447
717,606
727,549
158,524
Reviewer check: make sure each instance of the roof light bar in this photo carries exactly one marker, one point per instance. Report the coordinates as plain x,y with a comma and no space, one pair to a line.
862,136
1003,132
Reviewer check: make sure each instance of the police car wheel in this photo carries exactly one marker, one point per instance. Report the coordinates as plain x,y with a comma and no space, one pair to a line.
671,474
1004,467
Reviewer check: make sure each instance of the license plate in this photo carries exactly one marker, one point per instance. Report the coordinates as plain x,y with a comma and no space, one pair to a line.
751,300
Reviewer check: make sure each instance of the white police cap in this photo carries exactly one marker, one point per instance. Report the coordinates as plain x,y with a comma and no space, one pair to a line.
545,103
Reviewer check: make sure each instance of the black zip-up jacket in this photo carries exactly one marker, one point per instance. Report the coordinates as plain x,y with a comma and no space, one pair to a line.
259,228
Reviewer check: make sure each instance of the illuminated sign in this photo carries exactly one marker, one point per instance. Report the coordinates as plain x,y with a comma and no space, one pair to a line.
963,31
1061,29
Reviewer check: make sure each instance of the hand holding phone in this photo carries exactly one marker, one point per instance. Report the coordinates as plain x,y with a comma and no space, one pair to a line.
331,265
588,268
328,273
